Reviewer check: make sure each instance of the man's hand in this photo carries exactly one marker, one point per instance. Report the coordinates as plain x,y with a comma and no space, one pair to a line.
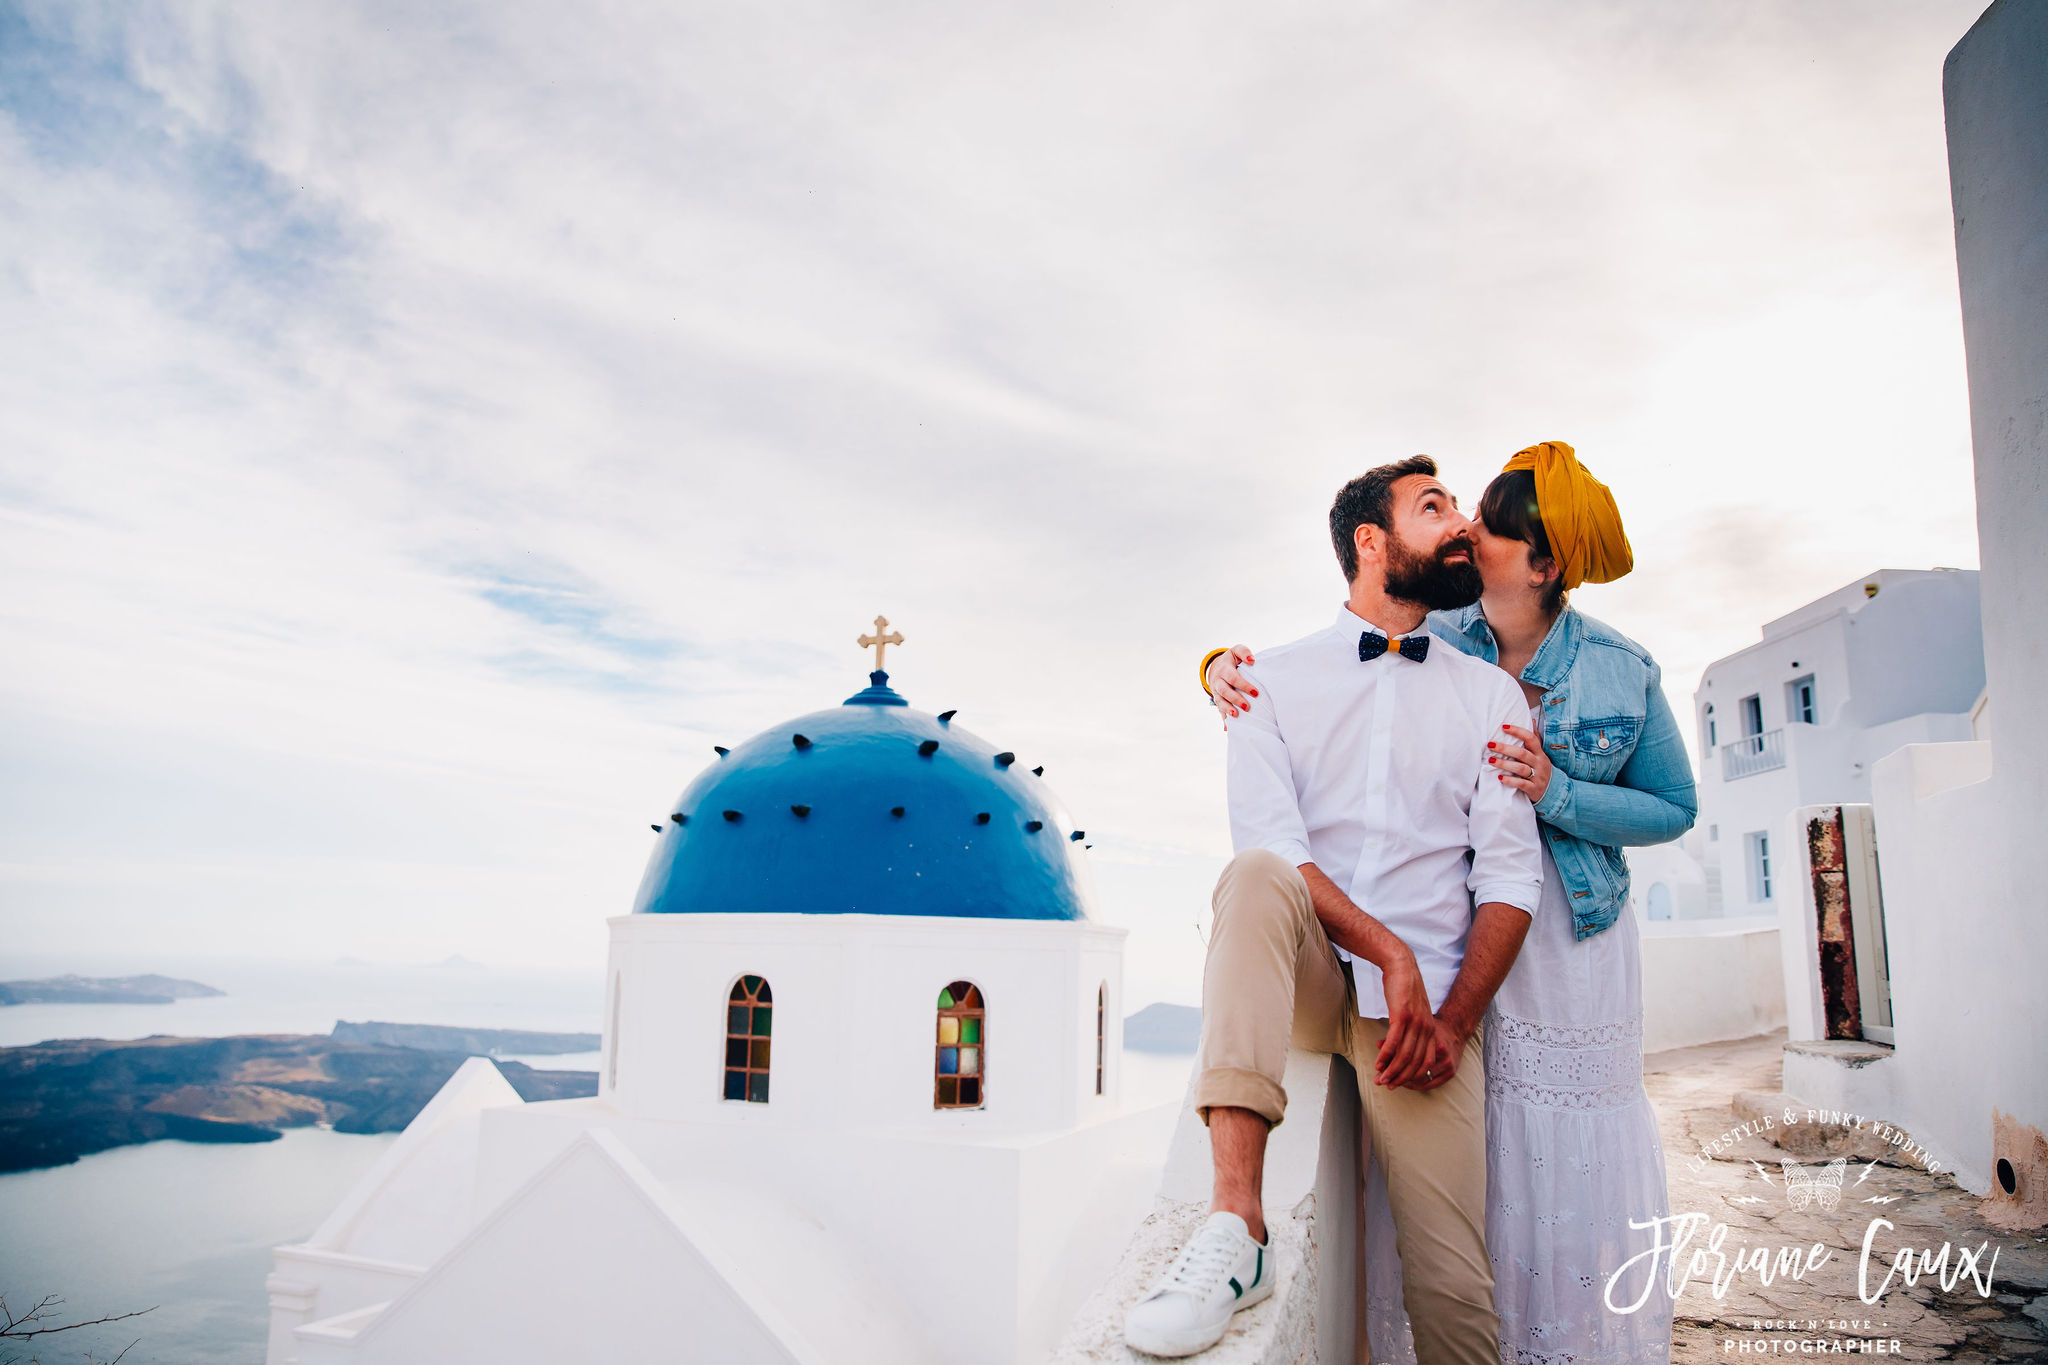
1490,948
1409,1051
1448,1042
1412,1052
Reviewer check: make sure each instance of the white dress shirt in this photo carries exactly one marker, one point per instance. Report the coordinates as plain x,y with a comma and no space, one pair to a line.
1376,772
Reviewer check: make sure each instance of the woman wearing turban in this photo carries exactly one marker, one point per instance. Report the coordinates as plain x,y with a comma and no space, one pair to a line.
1573,1154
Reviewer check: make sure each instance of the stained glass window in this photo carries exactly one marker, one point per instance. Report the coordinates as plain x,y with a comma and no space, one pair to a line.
1101,1031
749,1014
959,1073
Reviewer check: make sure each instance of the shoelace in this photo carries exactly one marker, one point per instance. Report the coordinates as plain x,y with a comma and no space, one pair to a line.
1203,1262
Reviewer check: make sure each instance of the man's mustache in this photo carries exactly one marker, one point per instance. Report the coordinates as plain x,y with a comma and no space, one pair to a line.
1456,544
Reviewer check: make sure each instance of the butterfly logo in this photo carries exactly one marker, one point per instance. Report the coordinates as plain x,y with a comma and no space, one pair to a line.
1820,1185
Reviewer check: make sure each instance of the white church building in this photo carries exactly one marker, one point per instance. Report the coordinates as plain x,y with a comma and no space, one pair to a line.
859,1097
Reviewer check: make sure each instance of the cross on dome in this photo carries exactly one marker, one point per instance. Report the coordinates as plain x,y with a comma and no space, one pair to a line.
879,641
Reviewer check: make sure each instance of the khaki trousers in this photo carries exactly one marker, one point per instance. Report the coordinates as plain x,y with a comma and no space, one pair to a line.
1273,981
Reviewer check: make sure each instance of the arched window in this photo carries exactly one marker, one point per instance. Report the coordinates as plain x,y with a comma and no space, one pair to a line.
962,1063
1101,1031
747,1018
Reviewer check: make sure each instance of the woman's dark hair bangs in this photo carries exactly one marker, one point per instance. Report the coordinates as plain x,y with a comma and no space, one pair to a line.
1508,507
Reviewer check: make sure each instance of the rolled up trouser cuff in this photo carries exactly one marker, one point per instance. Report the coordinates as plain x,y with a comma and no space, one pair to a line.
1230,1087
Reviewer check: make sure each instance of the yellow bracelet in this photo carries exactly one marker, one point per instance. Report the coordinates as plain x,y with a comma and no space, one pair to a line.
1203,671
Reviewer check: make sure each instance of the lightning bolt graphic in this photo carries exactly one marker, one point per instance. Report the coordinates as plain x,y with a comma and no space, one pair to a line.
1747,1199
1882,1199
1761,1171
1866,1173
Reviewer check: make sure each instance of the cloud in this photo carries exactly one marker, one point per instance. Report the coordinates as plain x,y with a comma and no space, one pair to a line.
440,423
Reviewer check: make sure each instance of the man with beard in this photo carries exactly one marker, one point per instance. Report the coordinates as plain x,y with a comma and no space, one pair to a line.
1382,885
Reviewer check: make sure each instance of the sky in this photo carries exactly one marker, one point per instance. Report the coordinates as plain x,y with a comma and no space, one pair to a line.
425,429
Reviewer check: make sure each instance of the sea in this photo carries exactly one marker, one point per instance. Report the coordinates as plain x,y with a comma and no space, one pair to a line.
184,1230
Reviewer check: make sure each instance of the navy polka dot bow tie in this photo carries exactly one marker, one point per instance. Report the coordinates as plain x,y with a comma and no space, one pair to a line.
1371,646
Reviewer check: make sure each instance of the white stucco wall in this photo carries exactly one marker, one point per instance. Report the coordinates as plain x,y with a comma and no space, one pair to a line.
1942,904
1707,981
406,1211
855,1009
1959,826
1799,935
1313,1203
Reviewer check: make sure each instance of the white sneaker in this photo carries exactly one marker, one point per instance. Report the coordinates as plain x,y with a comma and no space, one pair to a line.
1219,1271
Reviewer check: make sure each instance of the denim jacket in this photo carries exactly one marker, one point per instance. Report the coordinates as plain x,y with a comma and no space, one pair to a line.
1620,774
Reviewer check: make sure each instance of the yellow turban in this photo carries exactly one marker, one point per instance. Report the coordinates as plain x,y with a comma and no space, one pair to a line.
1579,515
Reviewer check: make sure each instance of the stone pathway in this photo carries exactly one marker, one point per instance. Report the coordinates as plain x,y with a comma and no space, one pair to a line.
1693,1090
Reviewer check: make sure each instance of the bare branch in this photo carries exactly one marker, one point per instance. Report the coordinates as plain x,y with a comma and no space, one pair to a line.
48,1304
21,1328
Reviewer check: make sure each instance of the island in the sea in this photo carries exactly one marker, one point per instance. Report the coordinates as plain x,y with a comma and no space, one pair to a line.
103,990
471,1042
1164,1028
68,1098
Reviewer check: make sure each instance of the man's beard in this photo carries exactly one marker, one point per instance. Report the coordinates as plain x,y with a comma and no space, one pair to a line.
1429,580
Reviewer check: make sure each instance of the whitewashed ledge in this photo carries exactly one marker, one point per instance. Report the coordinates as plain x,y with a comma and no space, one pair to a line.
1282,1329
1312,1200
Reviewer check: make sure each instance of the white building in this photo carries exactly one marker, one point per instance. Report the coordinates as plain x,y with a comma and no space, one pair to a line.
859,1098
1959,826
1799,718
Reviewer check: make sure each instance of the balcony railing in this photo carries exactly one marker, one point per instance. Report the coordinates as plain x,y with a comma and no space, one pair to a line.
1753,754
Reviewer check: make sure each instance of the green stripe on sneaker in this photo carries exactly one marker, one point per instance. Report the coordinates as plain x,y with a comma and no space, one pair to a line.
1237,1288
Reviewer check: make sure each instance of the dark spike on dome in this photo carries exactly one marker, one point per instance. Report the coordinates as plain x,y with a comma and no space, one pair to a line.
928,748
801,741
981,817
1039,771
947,716
720,750
1005,759
1078,835
733,817
800,811
680,818
655,828
1033,826
896,811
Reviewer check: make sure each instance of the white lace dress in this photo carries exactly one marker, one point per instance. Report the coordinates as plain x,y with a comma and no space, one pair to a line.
1572,1154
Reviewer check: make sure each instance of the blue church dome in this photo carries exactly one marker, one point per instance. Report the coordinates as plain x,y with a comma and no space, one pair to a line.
872,808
